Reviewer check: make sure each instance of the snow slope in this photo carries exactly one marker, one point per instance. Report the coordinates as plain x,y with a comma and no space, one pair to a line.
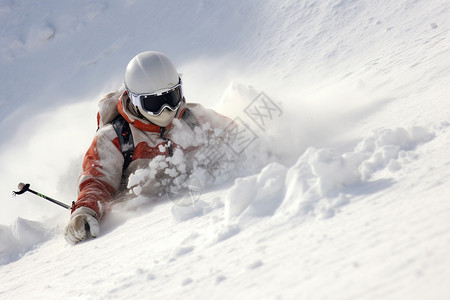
348,194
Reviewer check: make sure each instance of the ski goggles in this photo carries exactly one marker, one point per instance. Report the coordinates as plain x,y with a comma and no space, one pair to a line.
154,104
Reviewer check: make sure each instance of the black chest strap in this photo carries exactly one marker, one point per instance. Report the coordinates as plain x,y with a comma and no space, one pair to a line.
189,118
125,136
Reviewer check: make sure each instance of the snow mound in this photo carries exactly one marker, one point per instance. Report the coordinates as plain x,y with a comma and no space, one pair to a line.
22,236
258,195
323,180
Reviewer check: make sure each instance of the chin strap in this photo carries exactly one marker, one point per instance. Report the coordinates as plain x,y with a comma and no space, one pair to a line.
139,114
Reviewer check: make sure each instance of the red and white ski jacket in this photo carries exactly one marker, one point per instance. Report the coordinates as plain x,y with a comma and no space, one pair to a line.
101,176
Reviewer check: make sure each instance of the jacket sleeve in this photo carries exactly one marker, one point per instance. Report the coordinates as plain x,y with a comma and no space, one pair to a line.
101,173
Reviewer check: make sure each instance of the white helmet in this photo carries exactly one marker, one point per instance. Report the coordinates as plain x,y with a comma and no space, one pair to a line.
154,87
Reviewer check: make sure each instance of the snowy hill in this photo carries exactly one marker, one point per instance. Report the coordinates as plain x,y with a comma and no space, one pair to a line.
347,196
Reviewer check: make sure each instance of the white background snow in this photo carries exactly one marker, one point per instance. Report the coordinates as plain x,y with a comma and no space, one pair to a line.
352,203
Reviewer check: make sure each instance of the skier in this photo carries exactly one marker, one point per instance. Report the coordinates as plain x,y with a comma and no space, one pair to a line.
152,118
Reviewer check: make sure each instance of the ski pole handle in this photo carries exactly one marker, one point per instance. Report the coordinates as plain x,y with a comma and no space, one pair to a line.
26,188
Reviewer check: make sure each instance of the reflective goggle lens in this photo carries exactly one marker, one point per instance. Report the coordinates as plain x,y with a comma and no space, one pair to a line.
155,103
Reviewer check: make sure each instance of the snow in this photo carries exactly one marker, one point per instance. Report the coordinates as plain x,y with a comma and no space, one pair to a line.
345,191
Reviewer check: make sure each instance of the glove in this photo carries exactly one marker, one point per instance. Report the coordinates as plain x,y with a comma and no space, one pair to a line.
82,221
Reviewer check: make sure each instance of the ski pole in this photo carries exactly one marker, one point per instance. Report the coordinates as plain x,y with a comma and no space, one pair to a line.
26,188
